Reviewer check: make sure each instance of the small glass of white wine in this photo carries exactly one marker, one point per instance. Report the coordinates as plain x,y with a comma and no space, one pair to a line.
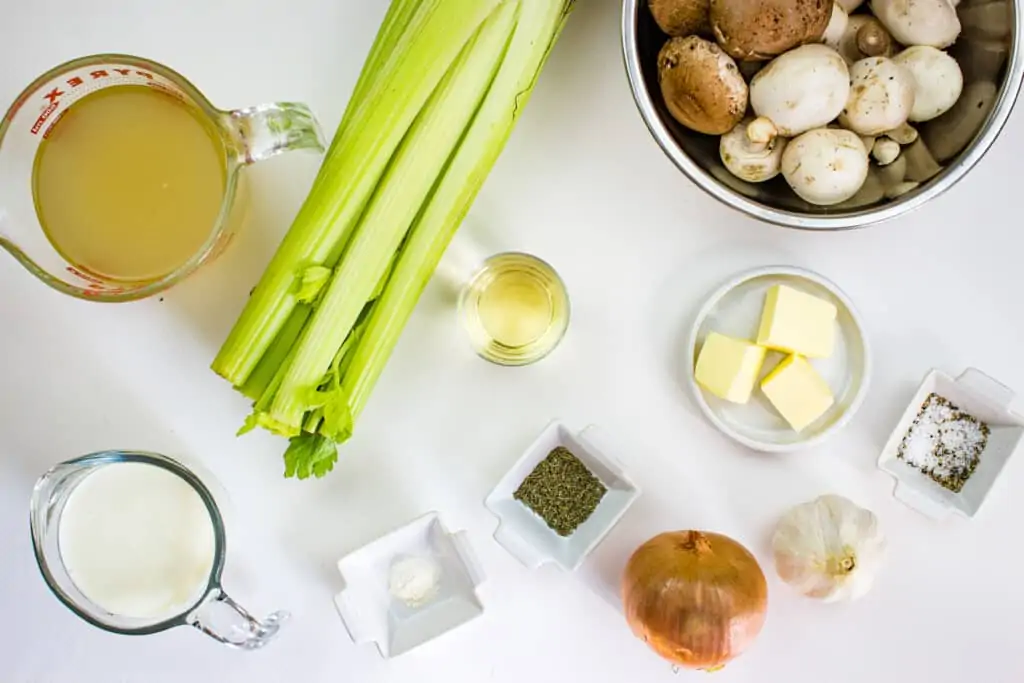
515,309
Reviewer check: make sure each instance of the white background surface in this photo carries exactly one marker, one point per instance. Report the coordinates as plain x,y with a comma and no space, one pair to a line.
583,185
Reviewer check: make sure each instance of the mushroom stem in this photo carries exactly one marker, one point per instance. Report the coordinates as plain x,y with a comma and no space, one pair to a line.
904,134
760,133
873,40
885,151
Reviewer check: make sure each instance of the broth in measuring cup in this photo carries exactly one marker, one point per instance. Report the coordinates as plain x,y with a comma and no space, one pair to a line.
129,183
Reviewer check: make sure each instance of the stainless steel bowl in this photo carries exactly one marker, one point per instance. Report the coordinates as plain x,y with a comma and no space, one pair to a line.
988,50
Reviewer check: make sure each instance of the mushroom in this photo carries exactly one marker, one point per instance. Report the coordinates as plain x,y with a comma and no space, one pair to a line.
681,17
849,5
825,166
744,188
702,87
904,134
871,192
864,37
868,141
885,151
921,165
949,134
803,89
881,96
762,29
919,22
752,160
836,26
937,81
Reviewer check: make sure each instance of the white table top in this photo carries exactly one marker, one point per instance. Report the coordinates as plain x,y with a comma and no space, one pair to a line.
583,185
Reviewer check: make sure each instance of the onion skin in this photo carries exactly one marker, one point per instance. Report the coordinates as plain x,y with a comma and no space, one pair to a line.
697,598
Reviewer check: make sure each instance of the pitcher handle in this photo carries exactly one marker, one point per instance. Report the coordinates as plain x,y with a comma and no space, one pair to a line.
223,619
266,130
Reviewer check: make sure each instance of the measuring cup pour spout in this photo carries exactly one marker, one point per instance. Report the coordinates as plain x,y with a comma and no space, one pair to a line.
108,273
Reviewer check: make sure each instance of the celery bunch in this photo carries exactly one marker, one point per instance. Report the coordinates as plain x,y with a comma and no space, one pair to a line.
436,100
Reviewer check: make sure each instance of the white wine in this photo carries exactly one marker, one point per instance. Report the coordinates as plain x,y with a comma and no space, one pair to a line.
515,309
129,183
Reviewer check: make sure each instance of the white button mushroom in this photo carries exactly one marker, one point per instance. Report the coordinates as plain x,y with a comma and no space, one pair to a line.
849,5
871,192
919,22
881,96
825,166
937,80
836,26
750,160
802,89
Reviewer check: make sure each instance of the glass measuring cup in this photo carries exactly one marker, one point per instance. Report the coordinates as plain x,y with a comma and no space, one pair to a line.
212,611
246,136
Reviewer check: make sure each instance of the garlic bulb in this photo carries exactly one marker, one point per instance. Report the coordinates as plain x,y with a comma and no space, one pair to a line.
829,548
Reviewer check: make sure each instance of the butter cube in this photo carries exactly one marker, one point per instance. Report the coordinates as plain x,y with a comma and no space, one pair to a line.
728,367
797,391
795,322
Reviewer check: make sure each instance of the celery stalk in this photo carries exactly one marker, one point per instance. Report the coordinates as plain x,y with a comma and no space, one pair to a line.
433,37
414,170
396,22
539,25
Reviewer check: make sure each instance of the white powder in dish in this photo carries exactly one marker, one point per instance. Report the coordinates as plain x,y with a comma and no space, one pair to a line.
414,580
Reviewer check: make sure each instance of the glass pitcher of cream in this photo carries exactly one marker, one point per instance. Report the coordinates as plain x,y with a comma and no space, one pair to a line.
134,543
118,178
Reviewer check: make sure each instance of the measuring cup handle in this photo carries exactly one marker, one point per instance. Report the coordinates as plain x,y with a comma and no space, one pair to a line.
266,130
223,619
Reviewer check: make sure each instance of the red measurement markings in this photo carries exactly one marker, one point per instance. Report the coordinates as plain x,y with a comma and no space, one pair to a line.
52,97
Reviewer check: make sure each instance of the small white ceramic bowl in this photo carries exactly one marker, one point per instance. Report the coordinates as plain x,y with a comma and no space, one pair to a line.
735,310
526,536
372,615
979,395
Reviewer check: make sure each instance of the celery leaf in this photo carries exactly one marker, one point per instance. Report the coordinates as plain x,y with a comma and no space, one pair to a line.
309,454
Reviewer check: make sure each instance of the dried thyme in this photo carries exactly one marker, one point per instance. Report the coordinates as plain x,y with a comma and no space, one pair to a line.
944,443
561,491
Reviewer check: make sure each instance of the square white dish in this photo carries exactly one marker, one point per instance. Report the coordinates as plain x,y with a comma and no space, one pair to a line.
979,395
372,614
526,536
734,309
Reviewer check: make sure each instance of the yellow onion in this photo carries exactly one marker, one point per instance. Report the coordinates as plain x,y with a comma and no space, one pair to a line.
696,598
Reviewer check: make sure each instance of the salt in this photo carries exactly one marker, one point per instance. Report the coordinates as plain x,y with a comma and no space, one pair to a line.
944,442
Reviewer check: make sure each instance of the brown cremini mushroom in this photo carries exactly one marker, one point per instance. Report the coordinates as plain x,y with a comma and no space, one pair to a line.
681,17
702,86
762,29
